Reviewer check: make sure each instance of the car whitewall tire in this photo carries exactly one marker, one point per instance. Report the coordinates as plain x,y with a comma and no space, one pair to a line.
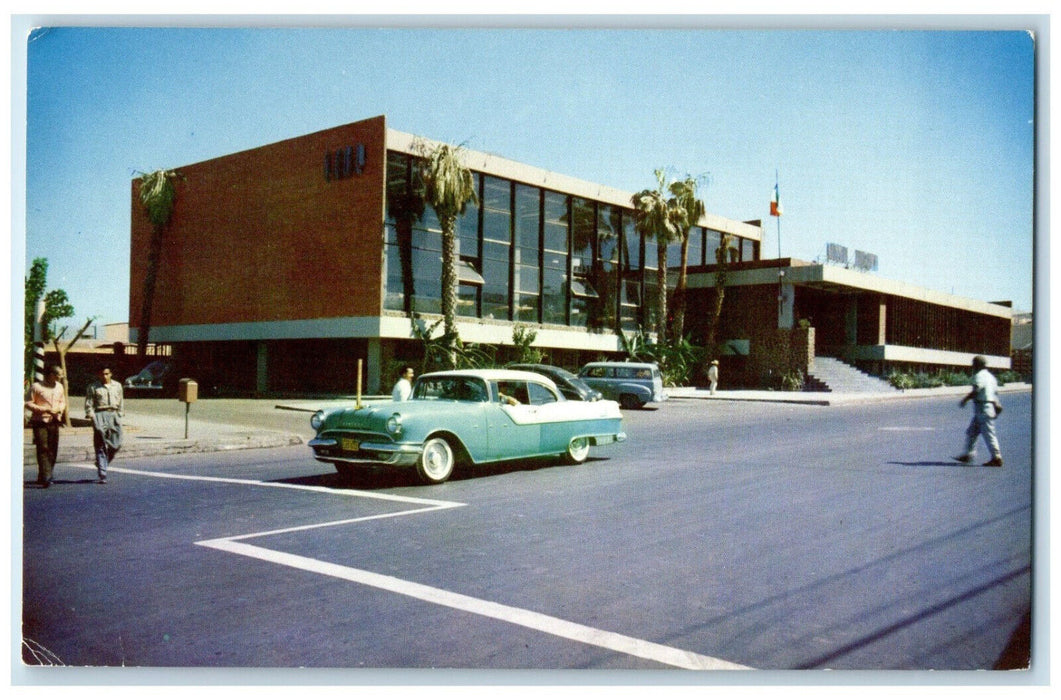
436,461
577,451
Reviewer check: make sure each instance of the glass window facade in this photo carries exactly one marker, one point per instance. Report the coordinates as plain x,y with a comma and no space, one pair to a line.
531,255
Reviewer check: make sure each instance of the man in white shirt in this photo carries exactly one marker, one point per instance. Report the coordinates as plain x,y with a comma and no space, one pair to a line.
403,388
984,394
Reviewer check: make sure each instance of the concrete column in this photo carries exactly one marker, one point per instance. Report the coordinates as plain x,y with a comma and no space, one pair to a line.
262,384
851,327
373,366
882,327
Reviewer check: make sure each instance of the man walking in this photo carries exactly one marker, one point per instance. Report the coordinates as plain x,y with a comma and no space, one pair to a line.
712,376
985,396
104,406
47,405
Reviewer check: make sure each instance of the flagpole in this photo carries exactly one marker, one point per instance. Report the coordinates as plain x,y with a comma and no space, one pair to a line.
780,268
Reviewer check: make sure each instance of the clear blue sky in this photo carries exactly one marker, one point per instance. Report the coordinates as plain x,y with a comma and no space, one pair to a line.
914,145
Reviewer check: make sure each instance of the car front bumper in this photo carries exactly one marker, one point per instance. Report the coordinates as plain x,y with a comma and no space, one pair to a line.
369,453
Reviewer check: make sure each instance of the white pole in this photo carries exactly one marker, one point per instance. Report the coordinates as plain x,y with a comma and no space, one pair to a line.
38,342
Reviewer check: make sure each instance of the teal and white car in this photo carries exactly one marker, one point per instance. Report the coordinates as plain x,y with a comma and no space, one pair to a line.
465,417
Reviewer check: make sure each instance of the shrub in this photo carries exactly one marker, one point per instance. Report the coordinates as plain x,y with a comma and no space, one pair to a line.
792,380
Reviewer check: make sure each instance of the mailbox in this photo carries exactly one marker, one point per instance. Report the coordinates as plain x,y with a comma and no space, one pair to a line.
188,390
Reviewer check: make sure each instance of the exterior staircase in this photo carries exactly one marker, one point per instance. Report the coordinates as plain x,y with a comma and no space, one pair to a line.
830,374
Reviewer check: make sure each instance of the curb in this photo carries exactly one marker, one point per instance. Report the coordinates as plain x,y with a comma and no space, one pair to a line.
131,450
828,399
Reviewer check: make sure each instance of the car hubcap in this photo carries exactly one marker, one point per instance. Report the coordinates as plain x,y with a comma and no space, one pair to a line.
438,459
579,449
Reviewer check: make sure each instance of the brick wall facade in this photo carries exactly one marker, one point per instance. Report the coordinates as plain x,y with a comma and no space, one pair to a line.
263,235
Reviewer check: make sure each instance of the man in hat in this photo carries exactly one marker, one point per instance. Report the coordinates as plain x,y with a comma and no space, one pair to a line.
712,376
984,394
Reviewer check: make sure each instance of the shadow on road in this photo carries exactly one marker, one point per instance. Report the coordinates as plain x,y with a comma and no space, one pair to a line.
1018,653
957,465
379,478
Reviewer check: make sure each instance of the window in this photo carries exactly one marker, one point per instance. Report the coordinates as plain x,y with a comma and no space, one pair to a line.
497,246
630,296
609,233
749,249
539,394
526,272
554,257
696,246
583,259
469,389
712,241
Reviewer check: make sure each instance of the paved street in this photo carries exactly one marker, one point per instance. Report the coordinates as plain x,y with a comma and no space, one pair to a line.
720,535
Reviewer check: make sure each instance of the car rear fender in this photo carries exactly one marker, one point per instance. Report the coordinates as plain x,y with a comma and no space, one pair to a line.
639,390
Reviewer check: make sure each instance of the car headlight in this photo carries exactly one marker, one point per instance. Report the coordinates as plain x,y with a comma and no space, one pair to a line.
394,424
316,420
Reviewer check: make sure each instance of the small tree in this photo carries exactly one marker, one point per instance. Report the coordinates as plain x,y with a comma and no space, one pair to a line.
62,351
56,306
523,337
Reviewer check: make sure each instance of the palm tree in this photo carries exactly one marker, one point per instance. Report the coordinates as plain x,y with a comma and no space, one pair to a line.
722,255
448,187
662,219
684,191
158,196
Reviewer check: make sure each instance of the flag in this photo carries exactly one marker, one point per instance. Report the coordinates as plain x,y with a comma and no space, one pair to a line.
775,202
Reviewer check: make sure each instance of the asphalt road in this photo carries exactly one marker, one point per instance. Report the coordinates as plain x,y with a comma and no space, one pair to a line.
720,535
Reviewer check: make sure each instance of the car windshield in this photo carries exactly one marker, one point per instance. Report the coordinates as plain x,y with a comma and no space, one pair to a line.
450,389
153,370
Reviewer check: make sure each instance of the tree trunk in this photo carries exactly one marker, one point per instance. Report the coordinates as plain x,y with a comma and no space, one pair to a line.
678,328
661,293
150,278
449,286
722,258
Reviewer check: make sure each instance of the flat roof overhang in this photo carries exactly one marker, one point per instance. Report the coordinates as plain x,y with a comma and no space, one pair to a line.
537,177
839,280
925,356
384,327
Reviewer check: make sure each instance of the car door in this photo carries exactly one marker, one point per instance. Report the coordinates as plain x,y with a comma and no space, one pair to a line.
514,429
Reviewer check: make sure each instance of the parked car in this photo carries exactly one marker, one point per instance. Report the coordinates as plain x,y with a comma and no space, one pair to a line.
632,384
573,388
161,378
462,417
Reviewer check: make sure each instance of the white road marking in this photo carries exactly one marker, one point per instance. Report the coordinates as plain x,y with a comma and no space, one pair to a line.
548,624
907,428
278,485
516,616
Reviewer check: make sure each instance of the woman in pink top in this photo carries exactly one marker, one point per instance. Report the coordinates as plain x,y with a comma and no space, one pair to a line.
48,405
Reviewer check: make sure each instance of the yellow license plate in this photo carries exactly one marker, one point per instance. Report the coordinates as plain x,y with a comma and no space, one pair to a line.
350,444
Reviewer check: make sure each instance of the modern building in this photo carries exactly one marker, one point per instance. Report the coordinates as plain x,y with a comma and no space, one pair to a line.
283,265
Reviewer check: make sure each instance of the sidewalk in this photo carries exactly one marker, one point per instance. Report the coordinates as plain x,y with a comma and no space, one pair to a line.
149,435
827,398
